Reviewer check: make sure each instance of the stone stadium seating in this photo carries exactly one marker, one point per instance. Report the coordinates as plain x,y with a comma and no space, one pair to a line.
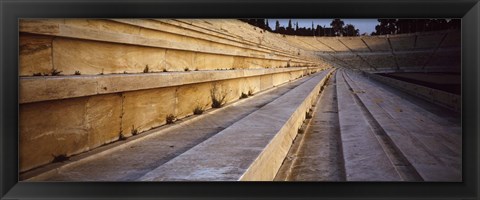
86,83
377,43
412,60
452,39
403,42
355,43
381,61
445,60
428,41
333,42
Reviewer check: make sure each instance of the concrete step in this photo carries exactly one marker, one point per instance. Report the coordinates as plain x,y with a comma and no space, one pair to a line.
131,159
253,148
356,134
317,154
400,163
428,142
365,158
419,140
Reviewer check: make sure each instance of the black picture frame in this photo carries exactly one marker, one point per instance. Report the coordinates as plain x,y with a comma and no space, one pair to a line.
11,11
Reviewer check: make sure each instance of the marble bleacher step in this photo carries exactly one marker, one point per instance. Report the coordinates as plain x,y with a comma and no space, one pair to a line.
251,149
364,157
130,159
429,145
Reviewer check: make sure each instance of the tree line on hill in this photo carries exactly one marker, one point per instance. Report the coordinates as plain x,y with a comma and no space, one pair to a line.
339,28
399,26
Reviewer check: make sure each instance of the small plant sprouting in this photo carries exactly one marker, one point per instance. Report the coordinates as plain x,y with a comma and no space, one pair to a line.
122,137
198,110
218,97
77,73
301,131
243,96
170,118
60,158
186,69
216,103
250,92
37,74
134,130
54,72
146,70
308,115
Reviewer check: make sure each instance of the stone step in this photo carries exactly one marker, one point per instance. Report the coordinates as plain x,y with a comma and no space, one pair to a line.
251,149
316,155
130,159
44,88
421,140
429,143
364,157
379,121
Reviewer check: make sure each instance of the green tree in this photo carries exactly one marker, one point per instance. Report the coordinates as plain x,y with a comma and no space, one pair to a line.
277,26
337,25
349,30
386,26
319,31
290,30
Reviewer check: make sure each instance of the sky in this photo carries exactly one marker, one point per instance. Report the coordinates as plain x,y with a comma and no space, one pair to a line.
364,25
